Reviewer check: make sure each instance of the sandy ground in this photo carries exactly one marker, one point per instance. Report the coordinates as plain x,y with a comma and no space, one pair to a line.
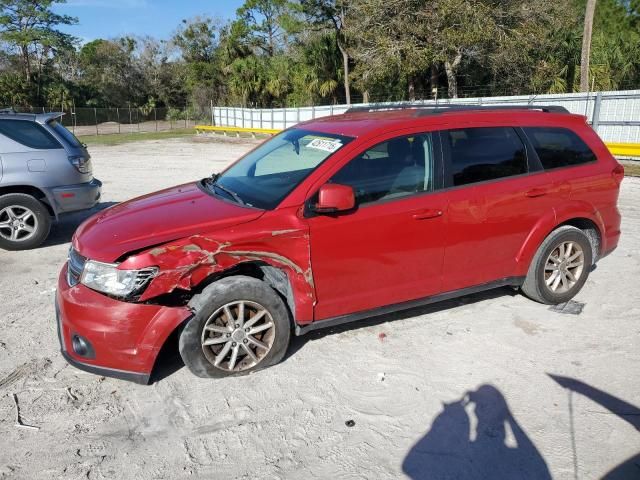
457,390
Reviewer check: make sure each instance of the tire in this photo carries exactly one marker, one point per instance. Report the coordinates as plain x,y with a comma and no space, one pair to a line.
17,206
225,337
547,268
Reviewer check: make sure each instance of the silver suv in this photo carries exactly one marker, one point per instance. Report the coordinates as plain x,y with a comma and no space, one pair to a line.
44,172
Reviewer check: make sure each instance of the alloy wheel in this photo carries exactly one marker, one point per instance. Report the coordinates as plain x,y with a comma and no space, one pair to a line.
564,267
238,336
17,223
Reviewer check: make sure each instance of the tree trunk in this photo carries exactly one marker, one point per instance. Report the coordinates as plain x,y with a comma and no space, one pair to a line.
412,90
345,68
452,68
586,45
434,77
365,96
571,77
27,62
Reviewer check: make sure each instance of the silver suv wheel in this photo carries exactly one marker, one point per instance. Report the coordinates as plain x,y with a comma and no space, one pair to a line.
17,223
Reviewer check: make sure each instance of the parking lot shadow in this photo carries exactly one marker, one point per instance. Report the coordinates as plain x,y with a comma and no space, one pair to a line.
64,228
491,445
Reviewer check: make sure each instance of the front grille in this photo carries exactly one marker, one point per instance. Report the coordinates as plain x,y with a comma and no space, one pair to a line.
75,266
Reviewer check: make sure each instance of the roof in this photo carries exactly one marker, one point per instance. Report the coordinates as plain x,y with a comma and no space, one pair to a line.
34,117
356,122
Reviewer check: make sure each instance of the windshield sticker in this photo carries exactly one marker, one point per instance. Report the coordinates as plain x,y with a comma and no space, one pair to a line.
325,144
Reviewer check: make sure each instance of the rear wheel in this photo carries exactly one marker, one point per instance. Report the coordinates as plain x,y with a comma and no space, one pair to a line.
560,267
241,325
24,222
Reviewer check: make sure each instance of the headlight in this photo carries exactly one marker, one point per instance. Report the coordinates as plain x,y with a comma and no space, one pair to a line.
106,278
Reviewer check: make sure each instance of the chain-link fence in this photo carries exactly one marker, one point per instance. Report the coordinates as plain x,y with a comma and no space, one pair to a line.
100,121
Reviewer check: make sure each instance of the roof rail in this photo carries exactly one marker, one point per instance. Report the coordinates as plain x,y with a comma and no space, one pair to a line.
424,110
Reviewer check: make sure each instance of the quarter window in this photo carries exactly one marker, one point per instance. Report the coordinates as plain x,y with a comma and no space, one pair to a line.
558,147
393,169
481,154
29,134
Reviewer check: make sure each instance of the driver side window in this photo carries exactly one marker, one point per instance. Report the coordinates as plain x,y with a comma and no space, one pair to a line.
395,168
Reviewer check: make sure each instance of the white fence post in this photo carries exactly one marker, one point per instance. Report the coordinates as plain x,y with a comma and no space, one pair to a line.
595,117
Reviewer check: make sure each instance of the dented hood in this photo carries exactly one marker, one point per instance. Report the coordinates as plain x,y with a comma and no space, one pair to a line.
155,219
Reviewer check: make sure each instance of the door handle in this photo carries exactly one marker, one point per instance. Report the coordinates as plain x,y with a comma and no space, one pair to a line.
426,214
536,192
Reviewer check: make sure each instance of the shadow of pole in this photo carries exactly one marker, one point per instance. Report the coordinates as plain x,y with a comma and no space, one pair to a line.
476,437
630,468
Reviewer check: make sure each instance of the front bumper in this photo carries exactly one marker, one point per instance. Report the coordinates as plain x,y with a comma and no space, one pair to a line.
124,338
71,198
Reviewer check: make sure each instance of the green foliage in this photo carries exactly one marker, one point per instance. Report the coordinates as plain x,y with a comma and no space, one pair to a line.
277,53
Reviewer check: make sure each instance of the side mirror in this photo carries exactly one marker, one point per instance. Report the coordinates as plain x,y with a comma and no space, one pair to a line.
334,198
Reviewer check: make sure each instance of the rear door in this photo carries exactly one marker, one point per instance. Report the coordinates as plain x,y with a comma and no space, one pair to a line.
498,192
389,249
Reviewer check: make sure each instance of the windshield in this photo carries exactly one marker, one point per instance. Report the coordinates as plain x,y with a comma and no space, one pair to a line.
69,137
264,177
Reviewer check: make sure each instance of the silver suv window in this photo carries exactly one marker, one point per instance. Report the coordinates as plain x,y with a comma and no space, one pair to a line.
69,137
29,134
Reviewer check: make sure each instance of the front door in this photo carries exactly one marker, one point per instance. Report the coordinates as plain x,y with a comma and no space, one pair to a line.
389,249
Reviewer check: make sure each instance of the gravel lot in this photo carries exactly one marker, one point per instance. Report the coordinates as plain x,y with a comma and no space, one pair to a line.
456,390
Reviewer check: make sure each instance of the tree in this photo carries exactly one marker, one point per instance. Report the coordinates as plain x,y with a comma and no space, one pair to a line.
332,14
110,74
30,27
586,45
267,24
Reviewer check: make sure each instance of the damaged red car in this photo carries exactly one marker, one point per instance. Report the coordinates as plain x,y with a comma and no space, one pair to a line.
336,220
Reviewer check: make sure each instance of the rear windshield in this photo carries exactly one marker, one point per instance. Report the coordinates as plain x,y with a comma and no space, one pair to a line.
29,134
69,137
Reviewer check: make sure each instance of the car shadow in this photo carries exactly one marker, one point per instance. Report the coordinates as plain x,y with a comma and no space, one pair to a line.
298,342
475,437
630,468
65,227
169,360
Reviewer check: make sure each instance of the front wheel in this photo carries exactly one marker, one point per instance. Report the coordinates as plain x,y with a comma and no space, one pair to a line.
241,325
560,267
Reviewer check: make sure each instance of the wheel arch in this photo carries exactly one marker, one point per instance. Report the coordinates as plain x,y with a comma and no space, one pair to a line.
591,229
35,192
275,277
586,219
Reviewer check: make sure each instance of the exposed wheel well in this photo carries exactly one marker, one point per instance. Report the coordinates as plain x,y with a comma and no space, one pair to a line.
274,277
591,230
29,190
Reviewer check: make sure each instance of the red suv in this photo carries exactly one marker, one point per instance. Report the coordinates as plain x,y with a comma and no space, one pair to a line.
336,220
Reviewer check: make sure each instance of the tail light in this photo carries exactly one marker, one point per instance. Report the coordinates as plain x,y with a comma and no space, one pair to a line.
82,163
618,173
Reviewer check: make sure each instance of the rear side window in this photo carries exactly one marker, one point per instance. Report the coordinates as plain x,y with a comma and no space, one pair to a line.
481,154
559,147
29,134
